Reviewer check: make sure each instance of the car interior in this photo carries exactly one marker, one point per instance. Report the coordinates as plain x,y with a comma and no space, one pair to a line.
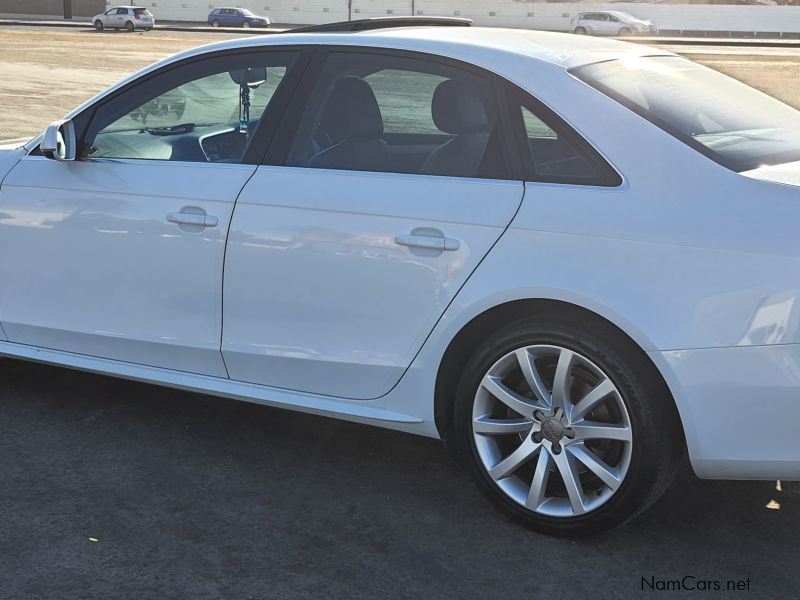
344,128
347,131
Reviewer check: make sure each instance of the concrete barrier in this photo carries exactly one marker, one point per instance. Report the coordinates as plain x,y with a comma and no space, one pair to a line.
738,21
503,13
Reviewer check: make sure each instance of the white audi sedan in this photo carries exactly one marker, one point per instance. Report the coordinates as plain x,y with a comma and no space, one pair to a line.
572,259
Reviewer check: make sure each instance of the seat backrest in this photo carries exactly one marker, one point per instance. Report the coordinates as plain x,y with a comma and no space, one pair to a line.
352,120
458,110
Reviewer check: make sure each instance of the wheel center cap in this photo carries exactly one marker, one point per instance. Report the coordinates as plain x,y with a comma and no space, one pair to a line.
552,429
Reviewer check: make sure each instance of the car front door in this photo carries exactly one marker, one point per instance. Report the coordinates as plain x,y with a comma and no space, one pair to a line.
606,24
110,18
120,17
388,183
119,254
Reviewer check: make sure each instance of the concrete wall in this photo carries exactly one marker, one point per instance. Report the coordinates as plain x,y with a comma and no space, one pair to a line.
499,13
80,8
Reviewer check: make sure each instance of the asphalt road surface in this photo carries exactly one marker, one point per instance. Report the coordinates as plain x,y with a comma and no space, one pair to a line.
194,497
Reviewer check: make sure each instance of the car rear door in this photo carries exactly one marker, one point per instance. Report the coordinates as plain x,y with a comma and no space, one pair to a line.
119,255
347,246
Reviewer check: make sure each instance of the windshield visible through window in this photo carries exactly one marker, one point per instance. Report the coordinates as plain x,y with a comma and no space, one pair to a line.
731,123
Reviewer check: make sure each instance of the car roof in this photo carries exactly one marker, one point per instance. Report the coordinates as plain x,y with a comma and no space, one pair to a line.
464,43
606,12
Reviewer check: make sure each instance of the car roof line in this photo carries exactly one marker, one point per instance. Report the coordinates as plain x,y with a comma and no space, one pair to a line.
383,23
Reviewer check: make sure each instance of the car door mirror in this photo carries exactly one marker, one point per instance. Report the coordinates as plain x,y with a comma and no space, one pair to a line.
59,141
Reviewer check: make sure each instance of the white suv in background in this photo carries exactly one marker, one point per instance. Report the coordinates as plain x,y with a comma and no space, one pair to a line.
611,22
125,17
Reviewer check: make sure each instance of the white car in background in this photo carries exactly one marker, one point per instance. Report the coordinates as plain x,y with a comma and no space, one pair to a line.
438,230
611,22
125,17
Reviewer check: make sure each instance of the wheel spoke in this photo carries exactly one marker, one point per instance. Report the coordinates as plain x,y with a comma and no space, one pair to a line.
539,484
572,483
592,399
591,430
533,378
562,379
607,475
515,460
488,426
519,404
539,417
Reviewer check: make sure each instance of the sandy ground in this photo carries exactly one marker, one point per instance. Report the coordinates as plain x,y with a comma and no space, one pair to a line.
44,73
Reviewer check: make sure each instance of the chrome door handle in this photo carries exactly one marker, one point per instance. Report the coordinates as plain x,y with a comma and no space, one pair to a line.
429,242
187,218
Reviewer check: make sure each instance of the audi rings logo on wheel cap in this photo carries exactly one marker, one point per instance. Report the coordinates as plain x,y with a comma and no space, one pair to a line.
552,429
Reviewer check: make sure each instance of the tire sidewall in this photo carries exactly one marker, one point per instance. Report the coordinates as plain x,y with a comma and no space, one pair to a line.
98,25
130,27
634,495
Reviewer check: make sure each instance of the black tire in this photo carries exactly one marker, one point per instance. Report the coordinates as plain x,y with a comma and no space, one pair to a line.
580,30
245,24
129,27
625,31
657,440
98,25
215,23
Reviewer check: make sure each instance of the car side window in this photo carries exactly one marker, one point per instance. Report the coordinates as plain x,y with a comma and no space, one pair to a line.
552,151
400,114
206,111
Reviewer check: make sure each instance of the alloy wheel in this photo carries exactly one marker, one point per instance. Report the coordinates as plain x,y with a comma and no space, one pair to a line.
552,431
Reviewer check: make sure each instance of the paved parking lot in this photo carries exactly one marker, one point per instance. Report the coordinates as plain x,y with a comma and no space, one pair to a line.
190,496
197,497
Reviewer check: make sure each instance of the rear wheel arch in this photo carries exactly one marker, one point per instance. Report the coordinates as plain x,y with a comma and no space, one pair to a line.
472,334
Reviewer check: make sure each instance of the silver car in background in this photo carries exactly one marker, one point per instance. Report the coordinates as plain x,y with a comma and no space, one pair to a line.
611,22
124,17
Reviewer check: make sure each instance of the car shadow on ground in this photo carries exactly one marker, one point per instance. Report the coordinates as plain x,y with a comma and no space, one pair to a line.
193,496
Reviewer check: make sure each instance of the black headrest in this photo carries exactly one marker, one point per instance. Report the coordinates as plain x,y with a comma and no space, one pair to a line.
352,113
457,108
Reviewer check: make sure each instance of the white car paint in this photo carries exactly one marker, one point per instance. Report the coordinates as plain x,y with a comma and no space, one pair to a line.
697,264
360,281
163,308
